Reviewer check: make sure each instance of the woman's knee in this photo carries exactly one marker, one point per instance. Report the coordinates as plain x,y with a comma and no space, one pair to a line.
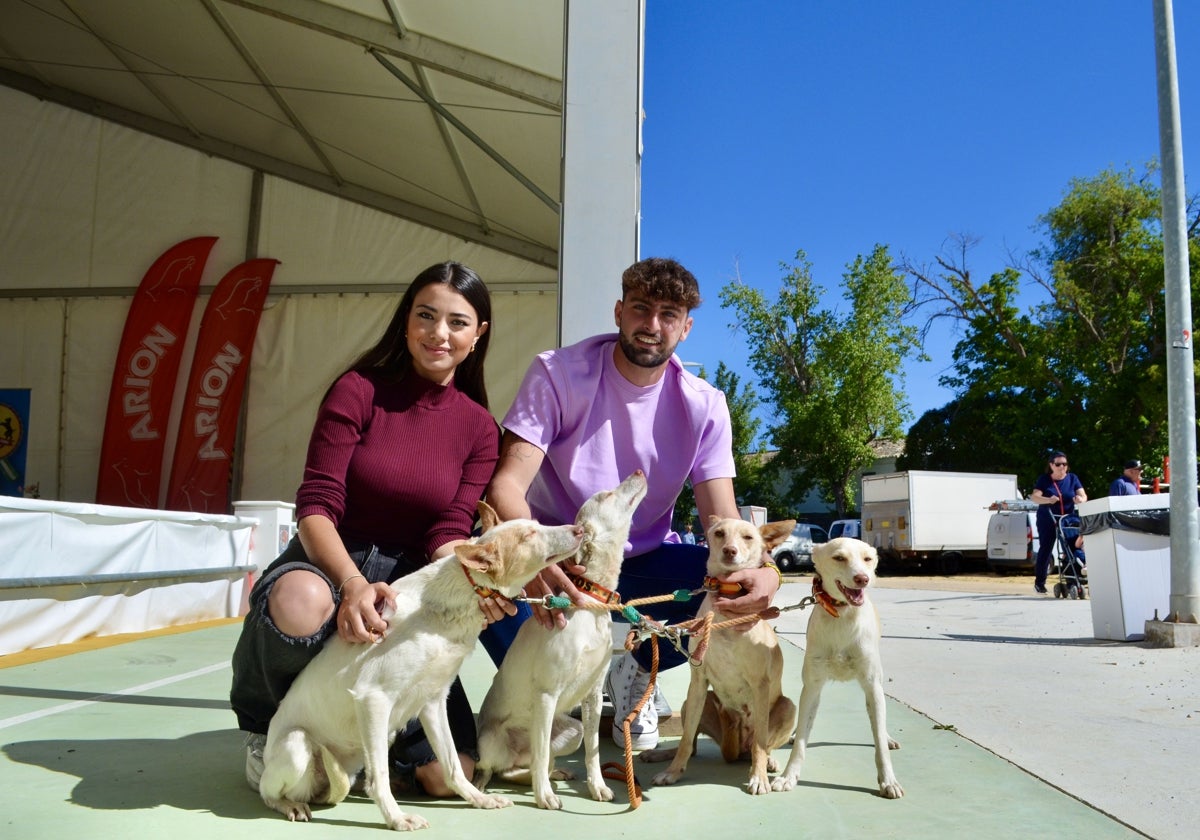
300,603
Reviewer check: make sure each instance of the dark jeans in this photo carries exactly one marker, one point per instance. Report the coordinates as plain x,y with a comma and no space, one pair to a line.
266,661
1047,539
662,571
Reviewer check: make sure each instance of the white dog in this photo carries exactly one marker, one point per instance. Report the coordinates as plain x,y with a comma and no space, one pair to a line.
843,644
523,722
746,711
345,707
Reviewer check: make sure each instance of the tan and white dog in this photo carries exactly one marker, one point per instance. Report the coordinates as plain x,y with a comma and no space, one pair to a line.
843,644
524,722
746,711
346,705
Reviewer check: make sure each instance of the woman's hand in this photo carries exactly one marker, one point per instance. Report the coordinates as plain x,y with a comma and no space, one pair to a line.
359,616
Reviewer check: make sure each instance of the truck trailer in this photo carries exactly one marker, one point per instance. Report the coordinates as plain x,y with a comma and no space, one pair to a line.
931,520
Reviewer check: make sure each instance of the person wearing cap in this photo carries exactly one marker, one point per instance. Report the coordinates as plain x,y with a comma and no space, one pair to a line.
1128,483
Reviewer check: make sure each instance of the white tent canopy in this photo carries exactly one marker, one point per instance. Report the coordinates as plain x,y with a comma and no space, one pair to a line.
356,141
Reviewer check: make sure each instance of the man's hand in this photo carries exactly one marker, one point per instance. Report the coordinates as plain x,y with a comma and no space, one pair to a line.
495,608
759,587
553,580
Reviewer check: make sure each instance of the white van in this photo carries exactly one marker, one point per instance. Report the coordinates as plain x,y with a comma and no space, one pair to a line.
1012,539
846,528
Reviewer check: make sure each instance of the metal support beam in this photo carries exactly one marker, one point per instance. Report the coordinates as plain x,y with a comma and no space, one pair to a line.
376,35
441,111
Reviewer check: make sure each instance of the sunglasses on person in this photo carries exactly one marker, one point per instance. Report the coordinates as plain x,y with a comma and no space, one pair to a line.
1058,463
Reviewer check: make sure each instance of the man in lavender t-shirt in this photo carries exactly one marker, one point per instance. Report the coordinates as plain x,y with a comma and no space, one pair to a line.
588,415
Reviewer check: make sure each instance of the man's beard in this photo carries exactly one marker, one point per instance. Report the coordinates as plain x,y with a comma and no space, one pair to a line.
643,356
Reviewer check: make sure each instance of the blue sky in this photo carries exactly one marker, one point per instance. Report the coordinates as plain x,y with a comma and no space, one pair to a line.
828,127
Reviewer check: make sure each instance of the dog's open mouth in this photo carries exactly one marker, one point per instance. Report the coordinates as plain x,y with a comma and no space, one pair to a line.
853,596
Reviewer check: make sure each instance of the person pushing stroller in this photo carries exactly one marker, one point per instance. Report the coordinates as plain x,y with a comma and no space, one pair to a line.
1056,492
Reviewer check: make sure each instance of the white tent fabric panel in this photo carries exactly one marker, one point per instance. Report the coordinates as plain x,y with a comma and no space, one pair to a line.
323,240
86,203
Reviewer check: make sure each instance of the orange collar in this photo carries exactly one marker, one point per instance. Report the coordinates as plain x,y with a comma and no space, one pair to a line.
825,599
481,591
729,590
594,590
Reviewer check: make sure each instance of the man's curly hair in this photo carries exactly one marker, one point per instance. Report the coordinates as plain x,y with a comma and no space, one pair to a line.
659,278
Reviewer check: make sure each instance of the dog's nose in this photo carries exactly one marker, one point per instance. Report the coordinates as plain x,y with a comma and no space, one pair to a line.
862,580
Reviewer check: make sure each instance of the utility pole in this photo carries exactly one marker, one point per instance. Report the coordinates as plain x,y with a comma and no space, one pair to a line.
1181,628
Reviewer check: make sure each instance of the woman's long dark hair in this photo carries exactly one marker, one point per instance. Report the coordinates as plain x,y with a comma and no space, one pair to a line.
390,354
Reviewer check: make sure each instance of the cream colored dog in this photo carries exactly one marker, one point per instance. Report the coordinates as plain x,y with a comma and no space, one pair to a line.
345,707
843,644
746,711
523,722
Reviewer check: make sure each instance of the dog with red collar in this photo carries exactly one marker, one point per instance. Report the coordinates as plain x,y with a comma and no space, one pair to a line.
842,644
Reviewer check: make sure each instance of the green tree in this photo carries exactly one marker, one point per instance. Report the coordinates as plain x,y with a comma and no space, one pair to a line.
750,486
834,378
1083,369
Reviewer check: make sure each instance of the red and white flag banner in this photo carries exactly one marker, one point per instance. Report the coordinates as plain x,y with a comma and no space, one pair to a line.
203,459
144,376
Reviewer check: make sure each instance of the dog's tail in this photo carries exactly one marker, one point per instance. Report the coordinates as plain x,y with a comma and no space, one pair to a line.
335,774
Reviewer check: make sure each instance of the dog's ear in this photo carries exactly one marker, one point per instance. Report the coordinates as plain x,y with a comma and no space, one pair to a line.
481,558
773,533
488,518
713,519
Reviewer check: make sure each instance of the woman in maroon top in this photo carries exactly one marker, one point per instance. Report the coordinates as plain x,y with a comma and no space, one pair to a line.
402,449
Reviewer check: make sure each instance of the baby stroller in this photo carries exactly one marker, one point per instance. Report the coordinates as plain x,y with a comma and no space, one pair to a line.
1072,562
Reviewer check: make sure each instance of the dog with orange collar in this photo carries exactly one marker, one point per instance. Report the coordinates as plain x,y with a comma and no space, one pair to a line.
745,711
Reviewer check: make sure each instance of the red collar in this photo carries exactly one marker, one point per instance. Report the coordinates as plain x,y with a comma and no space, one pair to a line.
594,590
825,599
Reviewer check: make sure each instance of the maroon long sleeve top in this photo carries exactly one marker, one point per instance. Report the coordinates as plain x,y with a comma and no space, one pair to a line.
398,464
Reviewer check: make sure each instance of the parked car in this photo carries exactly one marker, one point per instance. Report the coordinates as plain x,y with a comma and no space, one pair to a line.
796,550
846,528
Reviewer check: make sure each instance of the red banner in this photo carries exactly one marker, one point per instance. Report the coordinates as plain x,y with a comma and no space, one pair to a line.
143,383
208,428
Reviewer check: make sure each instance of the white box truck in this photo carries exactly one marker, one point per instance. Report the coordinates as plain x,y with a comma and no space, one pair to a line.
929,519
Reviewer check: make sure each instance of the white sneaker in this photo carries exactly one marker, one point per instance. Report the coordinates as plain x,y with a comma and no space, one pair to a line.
626,683
660,702
254,758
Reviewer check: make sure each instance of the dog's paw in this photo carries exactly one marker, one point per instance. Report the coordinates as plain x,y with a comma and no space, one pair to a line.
407,822
772,764
490,801
600,791
652,756
759,785
294,811
784,782
890,789
667,777
561,774
549,801
893,744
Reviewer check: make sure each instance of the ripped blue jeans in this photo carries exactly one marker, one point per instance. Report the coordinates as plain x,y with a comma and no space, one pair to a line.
266,661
